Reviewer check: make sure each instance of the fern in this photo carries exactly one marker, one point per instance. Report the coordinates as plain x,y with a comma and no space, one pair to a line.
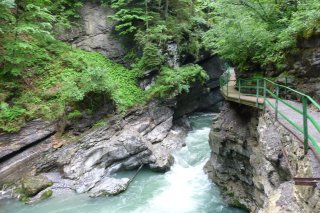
172,82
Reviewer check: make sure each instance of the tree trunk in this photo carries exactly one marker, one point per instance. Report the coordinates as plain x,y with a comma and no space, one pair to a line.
146,8
166,9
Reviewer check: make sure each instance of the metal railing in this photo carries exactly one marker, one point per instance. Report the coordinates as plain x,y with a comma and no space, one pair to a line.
262,92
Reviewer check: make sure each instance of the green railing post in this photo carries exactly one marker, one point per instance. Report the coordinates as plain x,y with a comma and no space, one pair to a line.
264,95
277,100
257,93
285,92
239,89
305,124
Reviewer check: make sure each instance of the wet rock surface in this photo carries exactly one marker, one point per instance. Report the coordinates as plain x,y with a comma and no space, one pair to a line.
32,185
23,162
109,186
248,162
305,73
125,143
231,139
205,97
31,133
144,136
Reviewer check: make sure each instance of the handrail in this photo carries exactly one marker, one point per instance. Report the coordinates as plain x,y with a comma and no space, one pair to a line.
245,90
313,102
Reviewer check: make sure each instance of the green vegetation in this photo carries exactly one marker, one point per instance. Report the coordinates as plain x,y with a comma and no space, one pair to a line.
237,204
43,77
45,195
261,34
153,24
99,124
68,78
24,198
175,81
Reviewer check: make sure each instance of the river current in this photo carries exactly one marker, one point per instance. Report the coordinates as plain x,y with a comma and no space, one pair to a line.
184,189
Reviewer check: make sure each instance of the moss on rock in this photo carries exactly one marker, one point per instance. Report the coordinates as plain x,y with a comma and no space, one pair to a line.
238,204
24,198
32,185
45,195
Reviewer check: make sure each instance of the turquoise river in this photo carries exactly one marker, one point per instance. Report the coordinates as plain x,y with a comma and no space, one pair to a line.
184,189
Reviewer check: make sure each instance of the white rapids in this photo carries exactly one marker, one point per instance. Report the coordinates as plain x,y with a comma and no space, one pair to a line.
184,189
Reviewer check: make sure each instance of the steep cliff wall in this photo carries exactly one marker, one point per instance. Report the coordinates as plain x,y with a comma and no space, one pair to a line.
94,32
205,97
305,70
248,163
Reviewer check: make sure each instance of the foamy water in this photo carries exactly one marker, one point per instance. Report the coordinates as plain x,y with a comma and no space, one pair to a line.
184,189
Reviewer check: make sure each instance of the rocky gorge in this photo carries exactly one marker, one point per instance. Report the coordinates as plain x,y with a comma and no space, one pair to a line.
87,157
37,161
253,158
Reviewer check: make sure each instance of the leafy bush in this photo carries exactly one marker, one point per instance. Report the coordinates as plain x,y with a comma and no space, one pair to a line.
23,25
74,115
261,33
153,24
172,82
67,78
11,117
152,59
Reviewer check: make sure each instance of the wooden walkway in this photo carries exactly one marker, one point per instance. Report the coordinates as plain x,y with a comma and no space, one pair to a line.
231,93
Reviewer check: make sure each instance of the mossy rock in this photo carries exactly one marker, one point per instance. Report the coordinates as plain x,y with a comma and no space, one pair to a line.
236,203
230,194
45,195
32,185
24,198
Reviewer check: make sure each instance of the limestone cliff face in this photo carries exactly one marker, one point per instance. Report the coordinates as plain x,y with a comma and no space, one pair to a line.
95,32
248,163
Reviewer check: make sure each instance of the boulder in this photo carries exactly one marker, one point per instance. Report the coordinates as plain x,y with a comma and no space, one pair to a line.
109,186
164,160
31,185
89,180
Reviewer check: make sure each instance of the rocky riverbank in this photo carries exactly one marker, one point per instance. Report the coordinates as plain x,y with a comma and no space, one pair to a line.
248,163
144,136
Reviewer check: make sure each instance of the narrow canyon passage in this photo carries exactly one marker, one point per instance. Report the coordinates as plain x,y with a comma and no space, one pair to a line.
184,189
